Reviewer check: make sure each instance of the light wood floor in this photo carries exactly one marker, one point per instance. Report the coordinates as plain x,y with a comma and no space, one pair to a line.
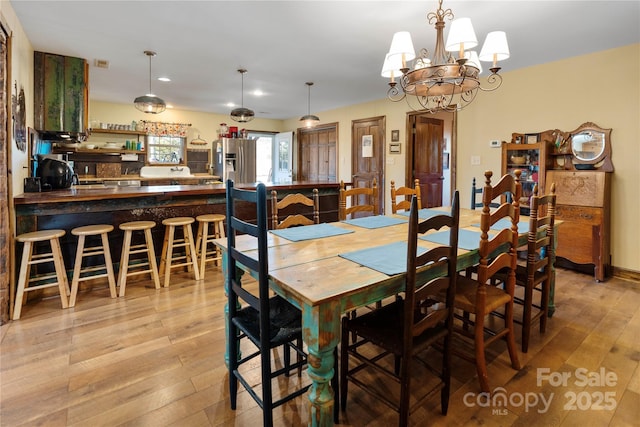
155,358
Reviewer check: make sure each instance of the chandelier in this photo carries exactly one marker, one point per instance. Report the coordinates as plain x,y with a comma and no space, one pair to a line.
309,119
241,114
440,82
150,103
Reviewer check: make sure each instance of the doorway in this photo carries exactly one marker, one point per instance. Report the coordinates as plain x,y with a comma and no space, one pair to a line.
367,155
431,155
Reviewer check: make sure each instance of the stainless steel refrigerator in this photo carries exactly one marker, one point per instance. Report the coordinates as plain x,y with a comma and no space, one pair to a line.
235,159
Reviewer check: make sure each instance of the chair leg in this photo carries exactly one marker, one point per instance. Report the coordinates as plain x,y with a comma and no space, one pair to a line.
544,304
526,316
446,374
481,363
511,337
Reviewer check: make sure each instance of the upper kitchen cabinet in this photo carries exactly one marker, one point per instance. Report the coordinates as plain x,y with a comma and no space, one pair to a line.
61,98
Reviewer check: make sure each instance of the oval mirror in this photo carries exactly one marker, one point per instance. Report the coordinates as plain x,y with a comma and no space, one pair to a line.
588,145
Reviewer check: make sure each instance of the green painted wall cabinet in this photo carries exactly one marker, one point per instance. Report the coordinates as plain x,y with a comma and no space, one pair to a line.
61,98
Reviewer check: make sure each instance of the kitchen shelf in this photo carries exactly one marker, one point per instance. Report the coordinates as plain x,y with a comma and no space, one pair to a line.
118,132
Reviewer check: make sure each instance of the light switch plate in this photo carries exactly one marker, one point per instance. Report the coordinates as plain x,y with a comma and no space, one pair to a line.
475,160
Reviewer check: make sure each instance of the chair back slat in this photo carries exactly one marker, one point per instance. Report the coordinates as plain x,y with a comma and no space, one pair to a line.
298,218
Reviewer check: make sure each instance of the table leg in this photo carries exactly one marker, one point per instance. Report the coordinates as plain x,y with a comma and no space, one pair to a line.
321,339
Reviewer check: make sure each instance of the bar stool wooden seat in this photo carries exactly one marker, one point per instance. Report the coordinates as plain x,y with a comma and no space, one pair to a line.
215,224
147,266
83,274
188,258
29,259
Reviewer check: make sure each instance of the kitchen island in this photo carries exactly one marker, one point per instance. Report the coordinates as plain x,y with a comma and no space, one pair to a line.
85,205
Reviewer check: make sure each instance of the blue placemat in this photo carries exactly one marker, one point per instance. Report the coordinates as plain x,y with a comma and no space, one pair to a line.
308,232
425,213
376,221
388,259
467,239
523,226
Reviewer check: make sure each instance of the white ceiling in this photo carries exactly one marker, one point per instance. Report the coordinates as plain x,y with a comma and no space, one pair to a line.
338,45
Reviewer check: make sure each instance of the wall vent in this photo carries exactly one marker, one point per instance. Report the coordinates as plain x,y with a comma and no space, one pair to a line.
101,63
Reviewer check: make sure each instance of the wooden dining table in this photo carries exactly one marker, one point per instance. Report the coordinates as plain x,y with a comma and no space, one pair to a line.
316,276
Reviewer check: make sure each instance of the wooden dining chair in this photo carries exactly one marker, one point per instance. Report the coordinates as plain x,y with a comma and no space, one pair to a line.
481,295
536,274
268,322
297,201
476,197
389,339
362,199
403,192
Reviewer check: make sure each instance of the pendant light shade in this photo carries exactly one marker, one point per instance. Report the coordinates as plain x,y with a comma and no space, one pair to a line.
242,115
150,103
309,120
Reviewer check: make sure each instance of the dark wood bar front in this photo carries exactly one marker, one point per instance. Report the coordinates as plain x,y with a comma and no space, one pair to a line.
77,206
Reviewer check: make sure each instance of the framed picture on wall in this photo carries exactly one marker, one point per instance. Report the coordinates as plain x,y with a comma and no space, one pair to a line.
531,138
394,148
395,135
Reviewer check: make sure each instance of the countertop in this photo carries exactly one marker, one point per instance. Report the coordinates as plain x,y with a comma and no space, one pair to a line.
89,192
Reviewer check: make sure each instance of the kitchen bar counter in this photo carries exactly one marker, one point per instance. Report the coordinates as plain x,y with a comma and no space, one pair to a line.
78,206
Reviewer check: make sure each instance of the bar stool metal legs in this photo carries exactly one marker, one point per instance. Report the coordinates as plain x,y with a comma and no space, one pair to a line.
107,269
29,259
189,259
128,250
204,239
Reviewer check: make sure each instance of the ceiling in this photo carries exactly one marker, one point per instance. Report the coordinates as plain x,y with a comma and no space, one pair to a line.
338,45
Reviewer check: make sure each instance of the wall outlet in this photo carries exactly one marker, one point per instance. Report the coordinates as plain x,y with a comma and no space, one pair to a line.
494,143
475,160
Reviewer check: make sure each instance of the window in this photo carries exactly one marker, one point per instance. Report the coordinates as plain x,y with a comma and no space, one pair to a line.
166,150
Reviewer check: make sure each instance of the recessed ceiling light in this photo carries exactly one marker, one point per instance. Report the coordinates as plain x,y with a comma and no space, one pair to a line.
164,79
169,106
230,104
258,92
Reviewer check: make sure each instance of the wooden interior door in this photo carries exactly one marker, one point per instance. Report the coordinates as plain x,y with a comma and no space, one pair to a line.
427,145
317,153
367,164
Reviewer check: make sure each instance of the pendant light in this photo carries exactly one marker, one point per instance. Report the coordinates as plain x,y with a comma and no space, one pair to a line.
309,120
150,103
242,114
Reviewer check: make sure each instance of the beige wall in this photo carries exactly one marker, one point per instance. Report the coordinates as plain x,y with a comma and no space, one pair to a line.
603,88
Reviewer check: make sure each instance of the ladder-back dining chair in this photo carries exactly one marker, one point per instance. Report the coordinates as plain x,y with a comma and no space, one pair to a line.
268,322
297,201
481,295
362,199
403,192
401,330
536,274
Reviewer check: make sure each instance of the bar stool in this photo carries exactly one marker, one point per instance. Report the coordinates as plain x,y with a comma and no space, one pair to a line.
189,259
128,250
29,259
204,238
83,274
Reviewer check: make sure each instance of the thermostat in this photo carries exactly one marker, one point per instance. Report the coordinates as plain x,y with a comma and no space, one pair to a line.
494,143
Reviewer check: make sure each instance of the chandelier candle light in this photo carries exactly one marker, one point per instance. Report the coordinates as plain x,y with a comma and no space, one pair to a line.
309,120
242,115
442,83
150,103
